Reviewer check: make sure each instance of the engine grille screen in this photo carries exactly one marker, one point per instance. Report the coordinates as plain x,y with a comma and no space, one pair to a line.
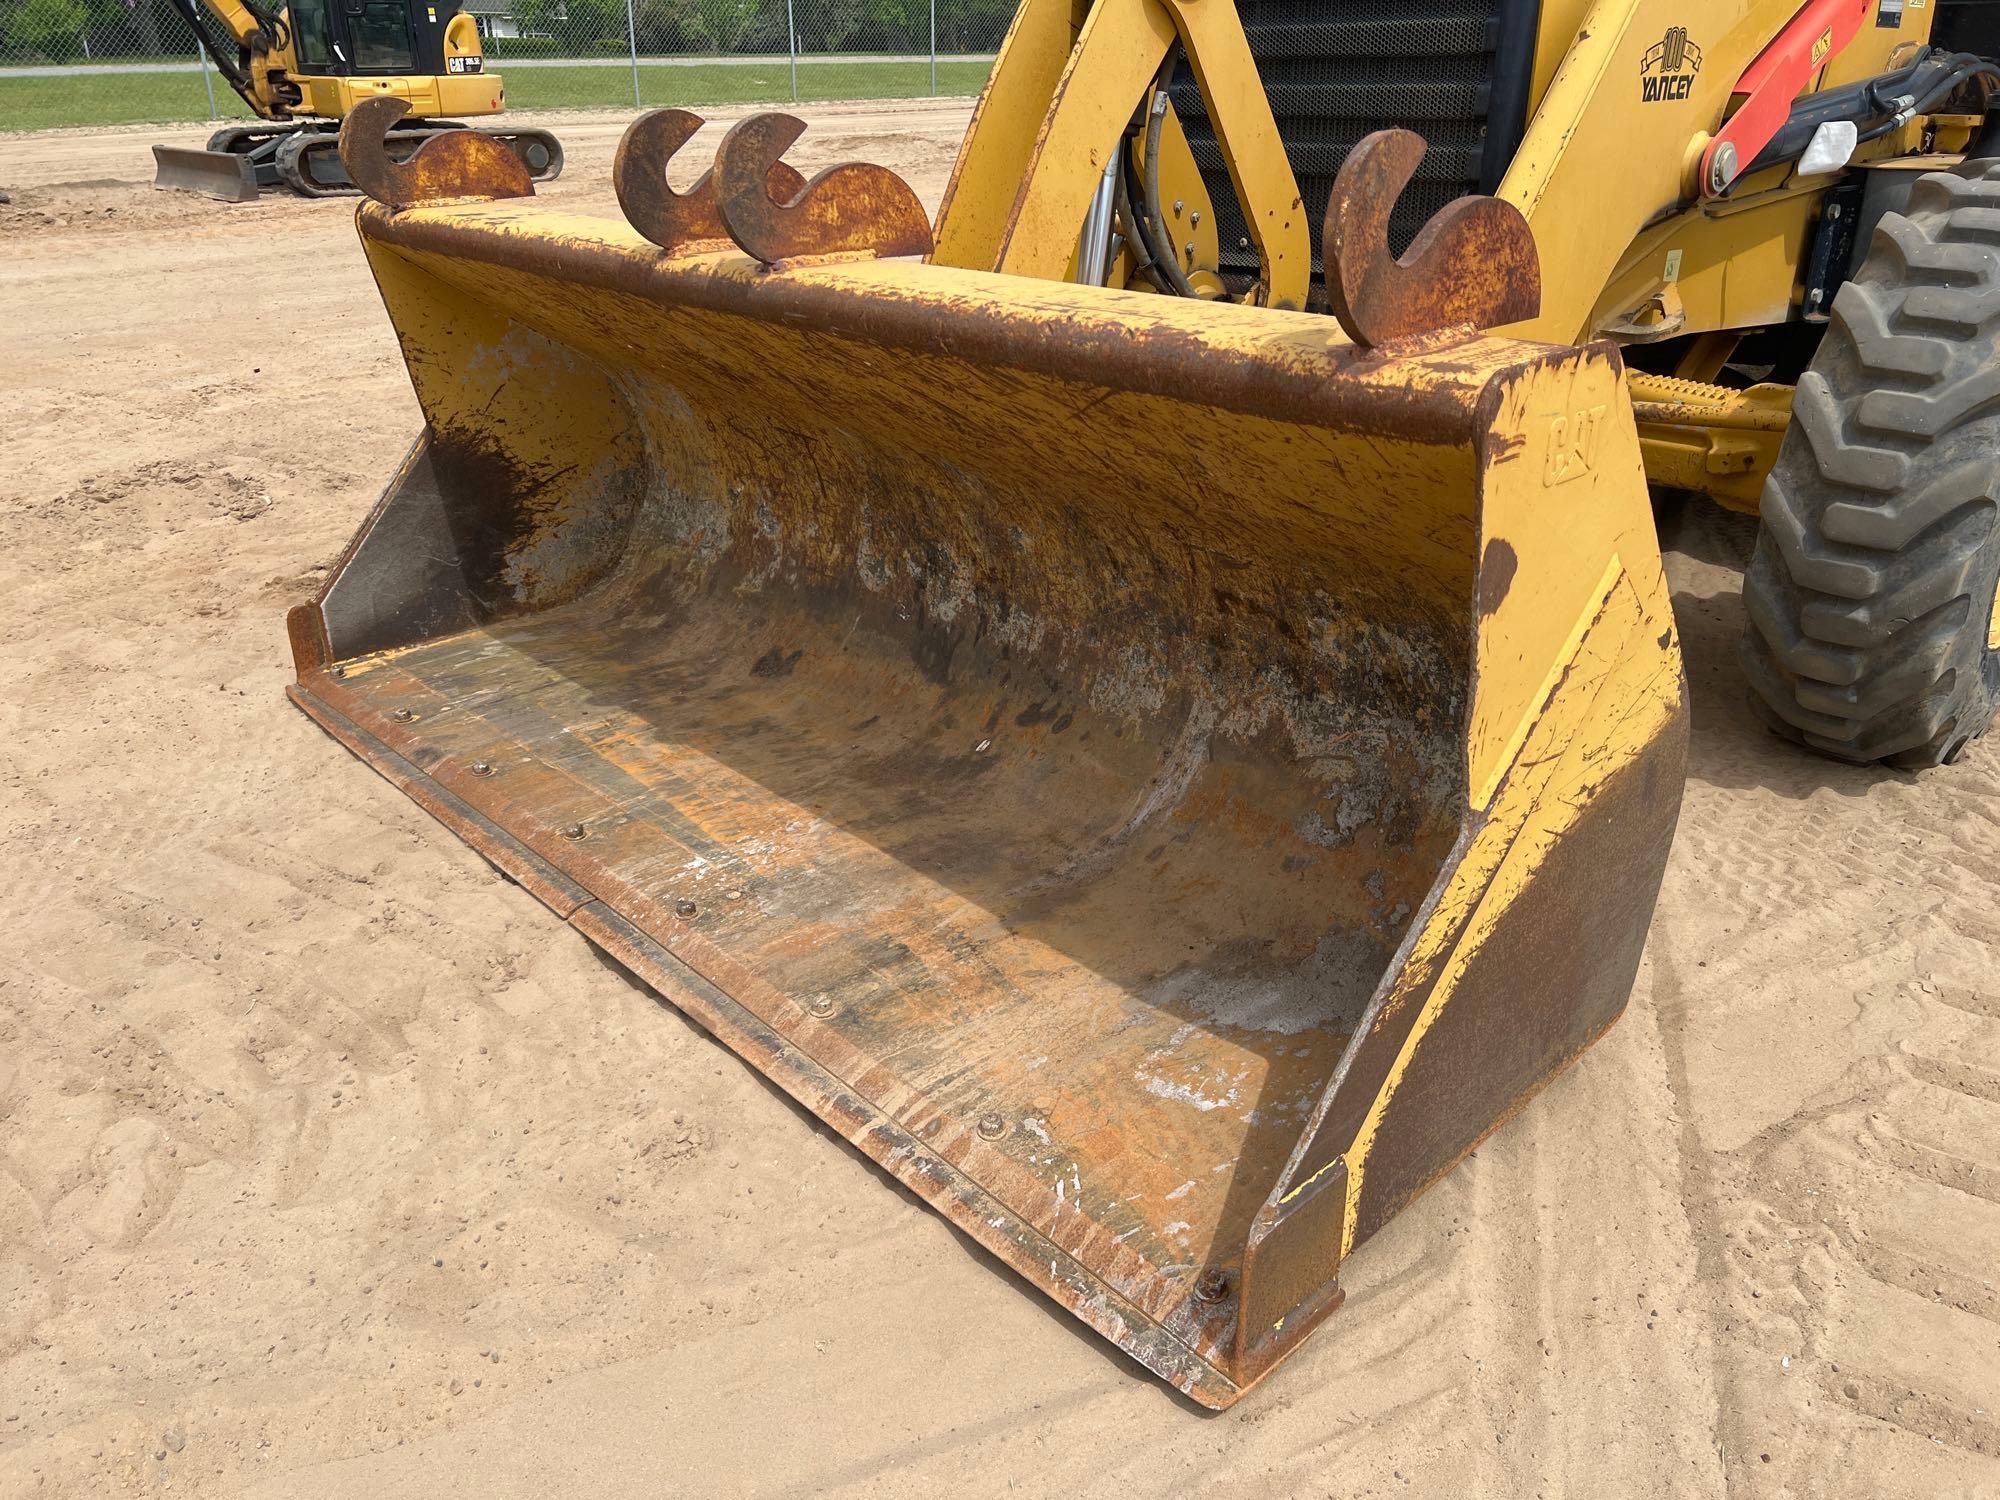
1967,26
1334,71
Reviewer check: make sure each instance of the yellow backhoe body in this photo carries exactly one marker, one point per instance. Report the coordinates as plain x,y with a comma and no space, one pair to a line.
1629,250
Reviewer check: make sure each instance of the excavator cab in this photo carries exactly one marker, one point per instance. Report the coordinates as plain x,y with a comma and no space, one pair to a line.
305,67
376,39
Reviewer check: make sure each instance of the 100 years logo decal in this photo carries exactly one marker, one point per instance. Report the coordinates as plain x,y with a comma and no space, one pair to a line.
1668,69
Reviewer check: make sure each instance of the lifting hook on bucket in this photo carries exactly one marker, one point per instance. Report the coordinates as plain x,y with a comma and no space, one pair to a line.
672,220
452,164
850,209
1474,265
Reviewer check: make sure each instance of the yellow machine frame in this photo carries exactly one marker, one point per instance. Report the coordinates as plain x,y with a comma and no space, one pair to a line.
1630,251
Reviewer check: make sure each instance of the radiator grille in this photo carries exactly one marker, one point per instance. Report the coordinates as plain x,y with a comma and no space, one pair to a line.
1337,69
1967,26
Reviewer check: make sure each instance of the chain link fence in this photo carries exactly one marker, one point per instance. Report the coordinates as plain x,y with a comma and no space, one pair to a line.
111,62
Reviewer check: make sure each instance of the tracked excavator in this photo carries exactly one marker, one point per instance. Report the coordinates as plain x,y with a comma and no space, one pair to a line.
302,67
1149,701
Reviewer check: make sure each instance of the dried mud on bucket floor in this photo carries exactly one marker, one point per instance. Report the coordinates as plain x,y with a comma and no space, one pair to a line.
331,1164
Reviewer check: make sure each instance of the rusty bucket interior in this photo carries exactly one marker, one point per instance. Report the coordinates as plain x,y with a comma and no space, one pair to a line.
1028,722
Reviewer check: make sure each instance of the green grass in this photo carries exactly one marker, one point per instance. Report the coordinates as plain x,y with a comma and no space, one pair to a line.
107,99
103,99
569,88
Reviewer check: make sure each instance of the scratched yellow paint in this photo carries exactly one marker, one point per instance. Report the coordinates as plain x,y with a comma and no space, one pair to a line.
993,159
1120,49
1620,692
1566,498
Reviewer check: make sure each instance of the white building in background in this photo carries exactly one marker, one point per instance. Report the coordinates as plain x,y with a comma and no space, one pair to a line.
494,17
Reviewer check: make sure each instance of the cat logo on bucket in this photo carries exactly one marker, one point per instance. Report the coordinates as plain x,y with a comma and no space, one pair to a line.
1573,442
1668,69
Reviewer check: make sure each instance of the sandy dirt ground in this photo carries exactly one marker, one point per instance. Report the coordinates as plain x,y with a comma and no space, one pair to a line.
331,1164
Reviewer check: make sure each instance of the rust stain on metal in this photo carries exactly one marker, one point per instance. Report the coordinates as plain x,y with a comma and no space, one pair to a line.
1156,360
452,164
853,208
1474,265
307,634
677,221
1548,981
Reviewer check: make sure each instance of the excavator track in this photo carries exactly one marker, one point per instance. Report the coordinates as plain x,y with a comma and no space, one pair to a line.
309,163
305,158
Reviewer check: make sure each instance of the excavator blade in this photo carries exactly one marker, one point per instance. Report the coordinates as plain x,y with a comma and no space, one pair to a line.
1160,780
215,174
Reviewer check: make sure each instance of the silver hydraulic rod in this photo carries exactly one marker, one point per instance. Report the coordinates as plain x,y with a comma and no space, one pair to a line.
1093,246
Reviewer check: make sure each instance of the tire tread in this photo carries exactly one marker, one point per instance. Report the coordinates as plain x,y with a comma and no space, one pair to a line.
1868,597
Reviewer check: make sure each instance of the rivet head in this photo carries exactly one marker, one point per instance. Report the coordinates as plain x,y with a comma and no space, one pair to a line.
1194,219
684,907
992,1125
822,1006
1177,205
481,768
1213,1285
339,670
403,715
574,831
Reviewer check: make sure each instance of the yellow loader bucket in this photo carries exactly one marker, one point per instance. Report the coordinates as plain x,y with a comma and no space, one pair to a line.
1162,781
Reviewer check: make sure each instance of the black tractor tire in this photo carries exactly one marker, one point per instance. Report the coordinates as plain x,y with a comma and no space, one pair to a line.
1870,595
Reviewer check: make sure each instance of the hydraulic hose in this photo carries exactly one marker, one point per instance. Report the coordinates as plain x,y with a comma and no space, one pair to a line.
1161,243
1877,105
1136,239
1964,68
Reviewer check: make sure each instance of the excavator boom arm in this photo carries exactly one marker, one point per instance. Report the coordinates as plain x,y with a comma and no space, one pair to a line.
252,32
